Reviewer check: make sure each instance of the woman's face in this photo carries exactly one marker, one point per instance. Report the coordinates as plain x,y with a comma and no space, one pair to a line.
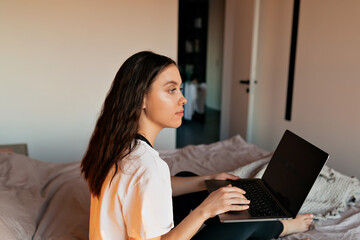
163,104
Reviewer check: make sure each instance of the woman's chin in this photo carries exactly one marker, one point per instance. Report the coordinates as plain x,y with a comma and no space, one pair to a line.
177,124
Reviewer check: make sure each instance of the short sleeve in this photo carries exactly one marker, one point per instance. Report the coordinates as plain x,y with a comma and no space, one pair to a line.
148,207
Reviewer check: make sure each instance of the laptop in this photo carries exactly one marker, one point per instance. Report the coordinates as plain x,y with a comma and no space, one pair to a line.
284,186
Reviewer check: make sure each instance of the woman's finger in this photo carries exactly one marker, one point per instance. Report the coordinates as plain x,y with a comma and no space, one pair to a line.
232,177
225,176
233,197
230,188
236,201
241,200
239,207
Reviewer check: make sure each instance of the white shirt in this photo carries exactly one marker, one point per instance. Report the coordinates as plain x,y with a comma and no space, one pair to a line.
138,202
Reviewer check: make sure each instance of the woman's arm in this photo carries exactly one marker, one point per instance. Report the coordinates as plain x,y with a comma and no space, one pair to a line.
222,200
183,185
186,229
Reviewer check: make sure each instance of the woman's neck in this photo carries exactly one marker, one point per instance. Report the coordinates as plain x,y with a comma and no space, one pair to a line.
148,128
142,138
149,135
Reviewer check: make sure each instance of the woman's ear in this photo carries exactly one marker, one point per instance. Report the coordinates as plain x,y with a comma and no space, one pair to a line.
144,103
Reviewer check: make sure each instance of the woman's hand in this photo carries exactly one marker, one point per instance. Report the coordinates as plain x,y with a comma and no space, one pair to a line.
223,176
222,200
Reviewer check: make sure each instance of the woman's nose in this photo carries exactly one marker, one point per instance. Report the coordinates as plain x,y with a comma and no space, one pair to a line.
183,100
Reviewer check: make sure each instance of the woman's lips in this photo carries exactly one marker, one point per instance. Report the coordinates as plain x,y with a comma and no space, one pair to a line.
180,114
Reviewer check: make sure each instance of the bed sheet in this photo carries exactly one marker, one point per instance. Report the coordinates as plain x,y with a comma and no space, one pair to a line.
221,156
42,200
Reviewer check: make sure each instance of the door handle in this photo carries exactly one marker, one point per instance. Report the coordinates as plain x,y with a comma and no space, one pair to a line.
247,82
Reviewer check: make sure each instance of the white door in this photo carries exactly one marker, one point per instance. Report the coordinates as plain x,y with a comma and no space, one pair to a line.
238,34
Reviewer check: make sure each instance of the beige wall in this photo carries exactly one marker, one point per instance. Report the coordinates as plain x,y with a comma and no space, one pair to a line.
58,59
326,108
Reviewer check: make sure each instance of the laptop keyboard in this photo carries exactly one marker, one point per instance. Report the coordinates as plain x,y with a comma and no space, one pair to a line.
261,202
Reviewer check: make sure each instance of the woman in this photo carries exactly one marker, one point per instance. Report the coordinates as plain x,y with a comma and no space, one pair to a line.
131,188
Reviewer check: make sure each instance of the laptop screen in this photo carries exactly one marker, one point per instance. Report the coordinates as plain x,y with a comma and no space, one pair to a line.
293,170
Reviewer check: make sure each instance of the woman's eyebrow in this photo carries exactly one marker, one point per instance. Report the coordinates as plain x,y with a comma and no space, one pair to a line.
172,82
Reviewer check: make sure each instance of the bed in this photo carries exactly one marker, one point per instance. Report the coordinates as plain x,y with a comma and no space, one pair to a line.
44,200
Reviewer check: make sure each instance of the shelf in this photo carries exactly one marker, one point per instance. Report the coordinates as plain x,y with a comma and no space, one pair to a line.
193,21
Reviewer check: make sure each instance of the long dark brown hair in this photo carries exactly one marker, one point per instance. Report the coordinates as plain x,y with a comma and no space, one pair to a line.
115,130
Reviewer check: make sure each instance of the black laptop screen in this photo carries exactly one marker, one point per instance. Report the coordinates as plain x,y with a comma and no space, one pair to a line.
293,170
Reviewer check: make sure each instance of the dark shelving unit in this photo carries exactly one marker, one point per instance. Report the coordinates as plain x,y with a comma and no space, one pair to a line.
192,45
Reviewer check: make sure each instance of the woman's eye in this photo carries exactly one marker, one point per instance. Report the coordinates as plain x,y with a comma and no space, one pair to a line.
172,90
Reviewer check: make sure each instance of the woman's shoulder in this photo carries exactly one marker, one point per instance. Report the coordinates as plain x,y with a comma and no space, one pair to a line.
144,159
142,167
